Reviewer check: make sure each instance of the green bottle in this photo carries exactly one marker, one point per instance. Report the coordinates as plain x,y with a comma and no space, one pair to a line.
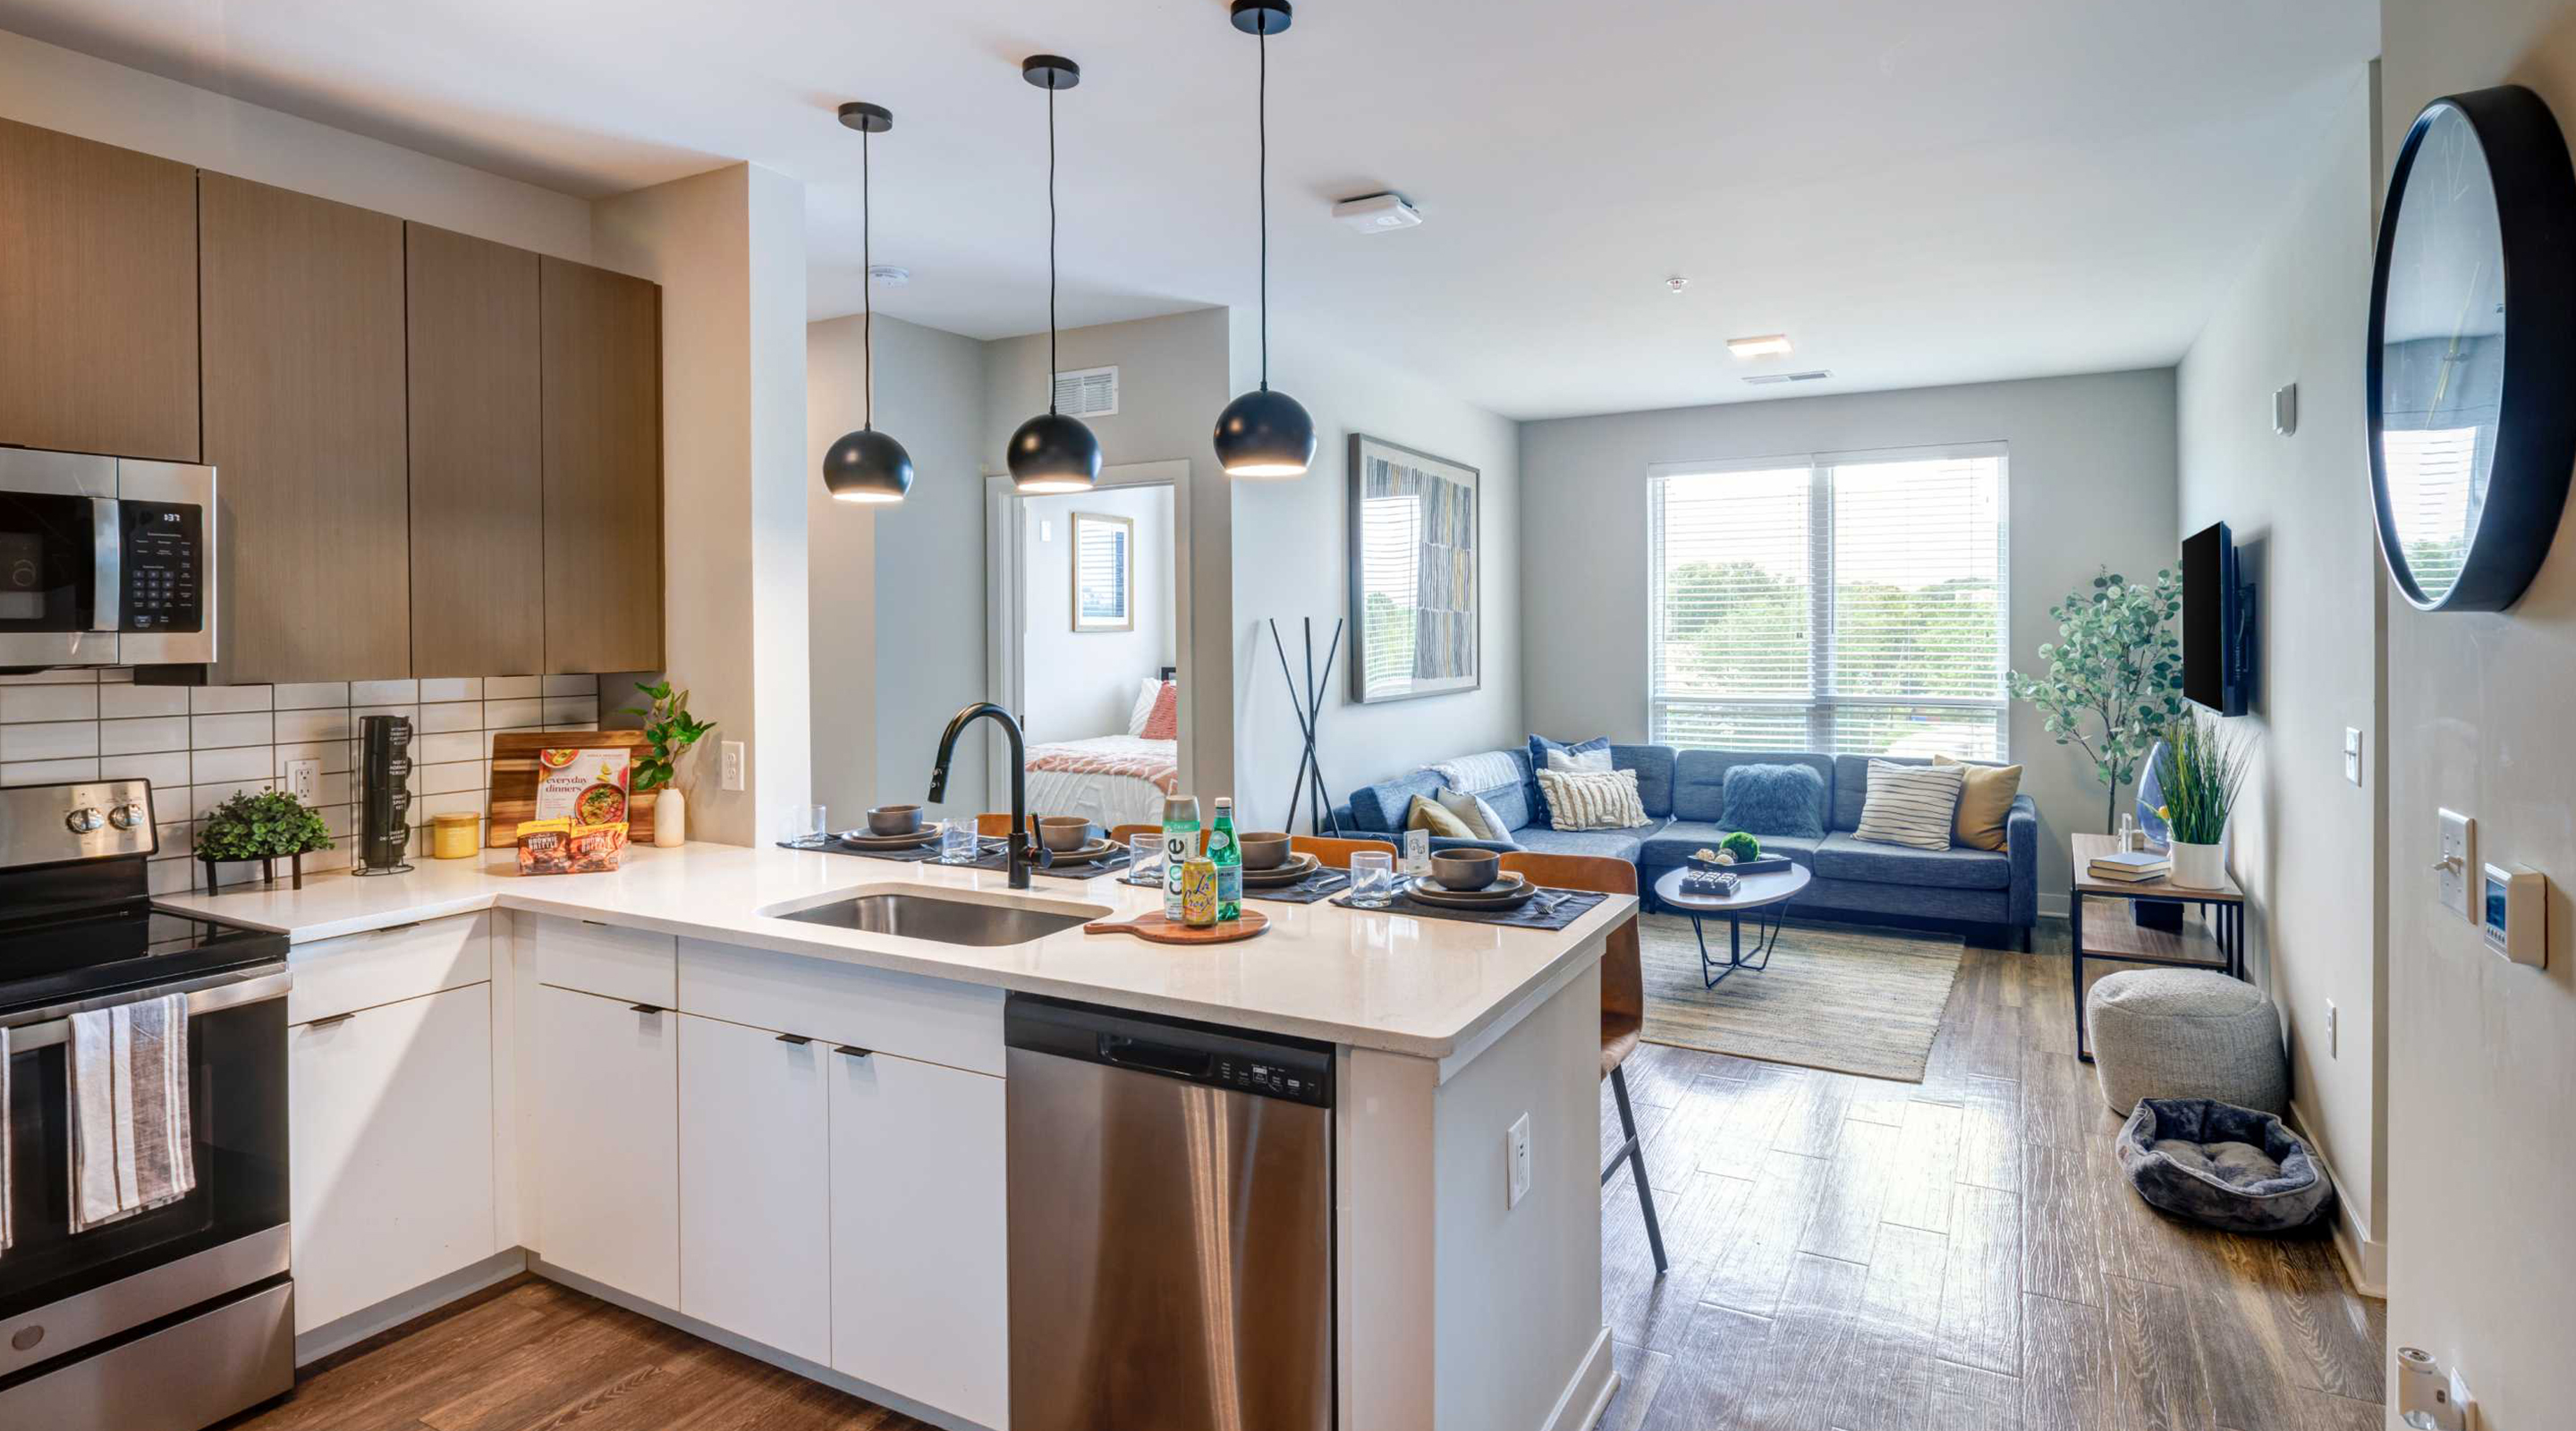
1228,861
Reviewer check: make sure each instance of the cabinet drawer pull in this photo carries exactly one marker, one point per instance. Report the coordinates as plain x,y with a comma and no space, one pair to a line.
596,923
331,1022
799,1040
398,928
648,1008
854,1051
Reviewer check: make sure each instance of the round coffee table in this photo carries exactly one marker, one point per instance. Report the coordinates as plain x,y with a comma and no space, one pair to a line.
1753,895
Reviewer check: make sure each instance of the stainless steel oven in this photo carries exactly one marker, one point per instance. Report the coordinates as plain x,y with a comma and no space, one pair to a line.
177,1316
105,561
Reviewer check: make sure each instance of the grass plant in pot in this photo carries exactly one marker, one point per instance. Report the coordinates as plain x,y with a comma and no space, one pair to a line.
2203,772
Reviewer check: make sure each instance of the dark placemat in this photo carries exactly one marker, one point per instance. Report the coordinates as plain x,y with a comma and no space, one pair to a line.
1568,906
1322,884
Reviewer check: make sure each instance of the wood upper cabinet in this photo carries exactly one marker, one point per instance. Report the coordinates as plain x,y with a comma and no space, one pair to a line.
98,297
304,404
478,545
602,363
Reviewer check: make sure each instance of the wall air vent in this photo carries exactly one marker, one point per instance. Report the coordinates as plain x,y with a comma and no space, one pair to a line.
1809,376
1091,392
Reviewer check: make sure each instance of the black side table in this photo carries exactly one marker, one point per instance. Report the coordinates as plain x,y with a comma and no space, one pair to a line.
2127,942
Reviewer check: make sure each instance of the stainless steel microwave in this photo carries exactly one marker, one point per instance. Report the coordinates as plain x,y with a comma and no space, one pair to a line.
105,561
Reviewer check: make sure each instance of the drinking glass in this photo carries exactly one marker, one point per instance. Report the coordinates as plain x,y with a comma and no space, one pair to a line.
1372,879
1145,859
812,824
958,843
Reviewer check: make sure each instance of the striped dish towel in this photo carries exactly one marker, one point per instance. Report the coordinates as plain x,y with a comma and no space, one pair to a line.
132,1148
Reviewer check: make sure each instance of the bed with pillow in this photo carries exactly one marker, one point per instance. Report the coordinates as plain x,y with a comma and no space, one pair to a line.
1113,780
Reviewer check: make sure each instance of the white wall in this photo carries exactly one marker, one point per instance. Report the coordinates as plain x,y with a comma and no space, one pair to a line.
2303,837
62,89
1291,561
889,673
2482,1054
728,248
2092,479
1083,683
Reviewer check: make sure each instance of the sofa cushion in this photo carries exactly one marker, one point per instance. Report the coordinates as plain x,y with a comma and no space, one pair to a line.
1985,802
1539,746
1654,767
1478,814
1699,777
1911,805
1849,794
1767,799
1484,770
1678,841
1434,815
1614,844
1839,856
1383,806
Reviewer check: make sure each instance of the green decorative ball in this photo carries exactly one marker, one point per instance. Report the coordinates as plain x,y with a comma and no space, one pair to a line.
1742,846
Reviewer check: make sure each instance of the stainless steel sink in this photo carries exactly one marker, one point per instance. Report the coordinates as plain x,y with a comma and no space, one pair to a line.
942,921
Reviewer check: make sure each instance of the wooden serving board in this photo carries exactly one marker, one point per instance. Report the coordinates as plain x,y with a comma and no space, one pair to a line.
515,774
1154,928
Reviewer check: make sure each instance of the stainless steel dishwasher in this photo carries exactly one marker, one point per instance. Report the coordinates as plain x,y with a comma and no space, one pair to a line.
1171,1226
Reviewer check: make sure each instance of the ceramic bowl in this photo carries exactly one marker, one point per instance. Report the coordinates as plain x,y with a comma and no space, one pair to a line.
1061,833
1466,869
1262,849
894,819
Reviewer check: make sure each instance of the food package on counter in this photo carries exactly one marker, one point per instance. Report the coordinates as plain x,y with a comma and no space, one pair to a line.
596,847
545,847
585,786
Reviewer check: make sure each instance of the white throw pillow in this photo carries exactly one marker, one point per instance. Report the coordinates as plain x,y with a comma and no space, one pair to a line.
1144,710
1579,760
1911,805
1593,799
1478,816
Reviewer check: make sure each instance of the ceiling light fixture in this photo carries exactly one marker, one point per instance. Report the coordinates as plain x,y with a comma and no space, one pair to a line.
867,465
1765,346
1052,452
1676,283
1264,433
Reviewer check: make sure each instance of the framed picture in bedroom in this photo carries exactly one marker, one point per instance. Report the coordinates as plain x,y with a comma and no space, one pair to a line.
1104,572
1417,591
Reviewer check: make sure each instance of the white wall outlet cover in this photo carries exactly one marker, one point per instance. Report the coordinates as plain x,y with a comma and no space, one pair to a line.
1516,1151
2352,754
2334,1030
304,780
730,776
2456,863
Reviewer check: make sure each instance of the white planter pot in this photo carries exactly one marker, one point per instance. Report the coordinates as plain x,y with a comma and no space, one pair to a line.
670,818
2199,866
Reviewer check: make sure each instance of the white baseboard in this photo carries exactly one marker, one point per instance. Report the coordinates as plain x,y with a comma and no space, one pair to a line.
1580,1406
392,1312
2365,1258
2052,906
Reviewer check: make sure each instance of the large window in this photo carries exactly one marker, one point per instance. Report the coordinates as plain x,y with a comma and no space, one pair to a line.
1848,602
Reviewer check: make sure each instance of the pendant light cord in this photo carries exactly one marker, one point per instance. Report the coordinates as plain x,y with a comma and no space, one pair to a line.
867,290
1051,358
1264,107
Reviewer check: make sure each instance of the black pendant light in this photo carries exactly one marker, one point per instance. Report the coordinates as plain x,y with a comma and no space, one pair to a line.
1052,452
1264,434
867,465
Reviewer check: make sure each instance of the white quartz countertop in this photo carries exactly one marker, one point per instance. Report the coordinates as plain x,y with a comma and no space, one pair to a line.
1425,987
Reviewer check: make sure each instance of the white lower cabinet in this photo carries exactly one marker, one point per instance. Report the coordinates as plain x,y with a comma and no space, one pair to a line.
919,1281
607,1158
391,1115
755,1187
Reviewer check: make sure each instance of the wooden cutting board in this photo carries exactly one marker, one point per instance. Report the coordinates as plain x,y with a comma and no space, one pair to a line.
1154,928
515,775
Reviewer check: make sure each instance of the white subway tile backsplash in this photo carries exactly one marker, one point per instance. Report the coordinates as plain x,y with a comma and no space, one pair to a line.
335,755
451,688
504,688
313,695
131,737
53,676
448,779
203,799
572,685
226,700
217,767
247,728
451,716
46,772
315,725
114,701
513,715
427,806
35,703
571,711
167,770
383,693
49,740
449,746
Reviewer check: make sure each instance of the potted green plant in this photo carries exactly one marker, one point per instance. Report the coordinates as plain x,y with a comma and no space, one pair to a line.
2203,770
670,730
2114,675
265,826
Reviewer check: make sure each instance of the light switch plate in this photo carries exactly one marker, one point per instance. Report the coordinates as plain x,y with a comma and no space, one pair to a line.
2458,861
1516,1149
2352,754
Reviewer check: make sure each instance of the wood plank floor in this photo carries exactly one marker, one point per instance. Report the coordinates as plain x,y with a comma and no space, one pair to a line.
1855,1255
1848,1255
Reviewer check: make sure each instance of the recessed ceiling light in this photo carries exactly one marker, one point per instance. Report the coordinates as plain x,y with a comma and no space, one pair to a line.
1767,345
1676,283
890,275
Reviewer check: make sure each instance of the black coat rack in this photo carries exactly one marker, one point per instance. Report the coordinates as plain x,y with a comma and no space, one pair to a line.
1309,707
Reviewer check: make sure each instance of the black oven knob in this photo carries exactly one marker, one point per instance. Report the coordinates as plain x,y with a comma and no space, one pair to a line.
126,816
85,820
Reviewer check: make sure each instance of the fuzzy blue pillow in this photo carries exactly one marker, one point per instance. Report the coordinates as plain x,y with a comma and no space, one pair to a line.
1775,800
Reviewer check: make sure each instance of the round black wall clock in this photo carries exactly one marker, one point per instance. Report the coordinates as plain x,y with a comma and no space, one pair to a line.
2473,350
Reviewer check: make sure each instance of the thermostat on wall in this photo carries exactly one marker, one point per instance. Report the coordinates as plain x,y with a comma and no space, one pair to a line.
2516,905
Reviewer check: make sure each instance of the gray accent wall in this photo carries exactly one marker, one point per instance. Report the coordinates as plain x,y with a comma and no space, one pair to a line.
2092,479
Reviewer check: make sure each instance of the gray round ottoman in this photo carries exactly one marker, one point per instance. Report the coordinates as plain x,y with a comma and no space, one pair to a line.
2186,1033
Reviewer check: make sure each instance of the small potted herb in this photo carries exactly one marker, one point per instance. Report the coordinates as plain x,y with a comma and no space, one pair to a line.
670,730
263,826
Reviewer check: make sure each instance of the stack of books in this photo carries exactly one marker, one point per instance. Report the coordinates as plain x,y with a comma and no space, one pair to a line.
2132,866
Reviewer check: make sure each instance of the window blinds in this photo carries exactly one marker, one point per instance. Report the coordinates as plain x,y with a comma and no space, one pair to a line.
1852,603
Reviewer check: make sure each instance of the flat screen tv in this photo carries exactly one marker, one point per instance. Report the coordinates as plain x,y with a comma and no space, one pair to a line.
2217,624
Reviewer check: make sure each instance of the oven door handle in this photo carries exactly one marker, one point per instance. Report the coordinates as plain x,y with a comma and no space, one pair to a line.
107,565
210,999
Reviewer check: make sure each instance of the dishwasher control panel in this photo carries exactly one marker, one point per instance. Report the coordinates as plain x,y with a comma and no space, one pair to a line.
1296,1083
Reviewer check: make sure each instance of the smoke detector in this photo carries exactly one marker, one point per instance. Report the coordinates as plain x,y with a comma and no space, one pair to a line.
889,275
1377,213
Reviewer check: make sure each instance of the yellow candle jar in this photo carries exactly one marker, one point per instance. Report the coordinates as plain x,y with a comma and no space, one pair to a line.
456,836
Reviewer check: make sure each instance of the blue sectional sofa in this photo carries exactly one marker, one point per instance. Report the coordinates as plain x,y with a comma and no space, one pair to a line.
1684,795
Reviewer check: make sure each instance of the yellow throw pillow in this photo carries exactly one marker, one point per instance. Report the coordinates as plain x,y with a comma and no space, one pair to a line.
1985,800
1429,814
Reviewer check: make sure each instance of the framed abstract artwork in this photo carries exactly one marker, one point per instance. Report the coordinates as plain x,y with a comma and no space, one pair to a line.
1417,593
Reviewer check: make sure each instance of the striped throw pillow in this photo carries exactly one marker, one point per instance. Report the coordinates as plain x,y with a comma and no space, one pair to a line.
1909,805
1483,771
1594,799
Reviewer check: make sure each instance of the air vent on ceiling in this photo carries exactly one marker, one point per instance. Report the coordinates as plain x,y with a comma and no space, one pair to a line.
1809,376
1092,392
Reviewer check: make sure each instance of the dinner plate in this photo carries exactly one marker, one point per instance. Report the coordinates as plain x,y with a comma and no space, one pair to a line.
1299,866
1091,853
1504,887
862,840
1429,892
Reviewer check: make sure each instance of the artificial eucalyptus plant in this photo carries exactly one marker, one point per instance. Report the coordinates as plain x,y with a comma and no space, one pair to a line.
265,825
2114,678
668,728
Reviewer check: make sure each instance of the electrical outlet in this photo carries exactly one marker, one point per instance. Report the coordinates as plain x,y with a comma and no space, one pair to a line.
1516,1146
2334,1030
2352,754
304,780
2457,862
730,766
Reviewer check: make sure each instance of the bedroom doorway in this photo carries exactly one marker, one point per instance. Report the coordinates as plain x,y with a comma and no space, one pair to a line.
1088,630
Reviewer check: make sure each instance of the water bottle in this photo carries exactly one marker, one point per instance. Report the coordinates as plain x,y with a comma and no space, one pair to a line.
1180,846
1229,862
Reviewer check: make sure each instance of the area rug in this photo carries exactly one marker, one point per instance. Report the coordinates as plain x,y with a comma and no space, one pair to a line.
1855,1000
